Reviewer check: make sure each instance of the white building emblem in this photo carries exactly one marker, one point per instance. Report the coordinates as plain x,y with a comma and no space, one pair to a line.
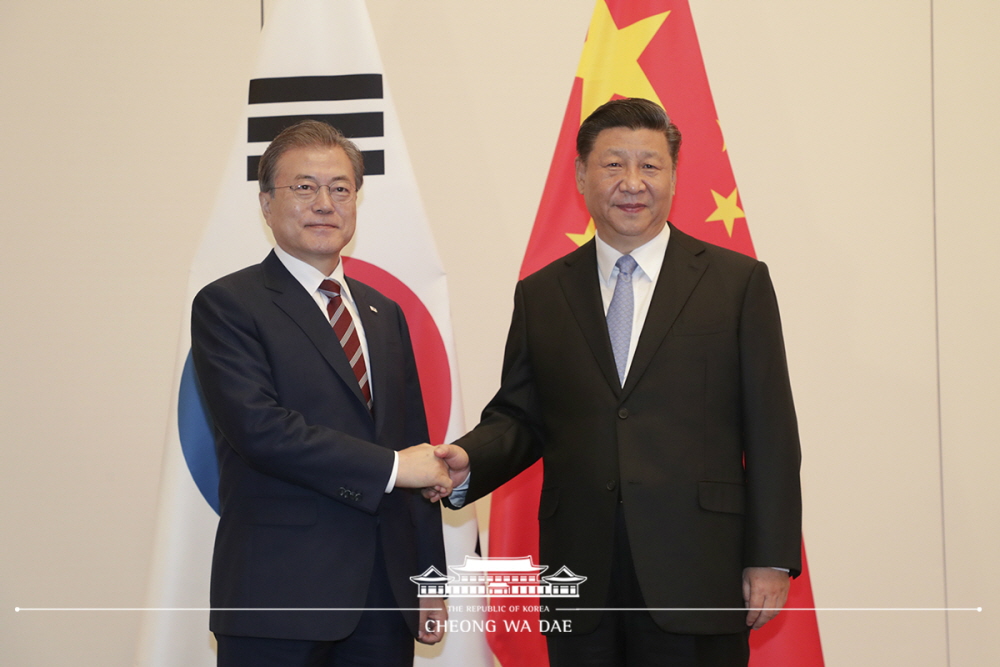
498,577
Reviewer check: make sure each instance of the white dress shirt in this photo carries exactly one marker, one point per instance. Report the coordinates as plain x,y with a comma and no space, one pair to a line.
649,258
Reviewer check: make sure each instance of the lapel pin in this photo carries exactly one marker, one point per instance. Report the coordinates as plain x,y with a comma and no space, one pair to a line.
374,309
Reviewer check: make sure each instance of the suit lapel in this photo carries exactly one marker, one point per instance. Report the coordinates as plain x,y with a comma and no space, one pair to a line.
683,267
288,295
582,289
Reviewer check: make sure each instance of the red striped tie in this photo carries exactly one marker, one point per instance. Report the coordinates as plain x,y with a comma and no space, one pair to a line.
343,326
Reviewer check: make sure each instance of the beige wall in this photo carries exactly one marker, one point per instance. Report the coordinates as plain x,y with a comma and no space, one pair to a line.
863,137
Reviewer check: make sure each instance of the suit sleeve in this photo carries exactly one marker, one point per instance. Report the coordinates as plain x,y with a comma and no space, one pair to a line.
771,441
508,438
233,366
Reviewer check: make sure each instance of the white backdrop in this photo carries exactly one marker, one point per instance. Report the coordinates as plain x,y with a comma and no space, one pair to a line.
862,136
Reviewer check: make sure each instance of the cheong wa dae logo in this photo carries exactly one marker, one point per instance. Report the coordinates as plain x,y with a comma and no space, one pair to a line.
498,577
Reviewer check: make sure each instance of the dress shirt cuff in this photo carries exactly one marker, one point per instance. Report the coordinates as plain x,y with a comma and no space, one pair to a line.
457,497
395,470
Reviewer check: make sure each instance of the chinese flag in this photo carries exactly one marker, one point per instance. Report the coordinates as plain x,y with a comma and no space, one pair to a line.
639,48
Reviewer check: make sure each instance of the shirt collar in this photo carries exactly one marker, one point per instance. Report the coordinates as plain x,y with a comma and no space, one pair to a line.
308,275
648,256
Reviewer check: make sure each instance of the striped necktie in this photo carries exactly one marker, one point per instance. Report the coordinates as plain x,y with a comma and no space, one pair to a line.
347,334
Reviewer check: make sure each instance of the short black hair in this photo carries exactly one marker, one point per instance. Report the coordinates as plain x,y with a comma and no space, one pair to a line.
634,113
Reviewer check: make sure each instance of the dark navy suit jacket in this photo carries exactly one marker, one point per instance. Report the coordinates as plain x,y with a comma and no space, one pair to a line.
303,464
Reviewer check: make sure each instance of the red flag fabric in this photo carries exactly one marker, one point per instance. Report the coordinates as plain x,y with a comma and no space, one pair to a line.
638,48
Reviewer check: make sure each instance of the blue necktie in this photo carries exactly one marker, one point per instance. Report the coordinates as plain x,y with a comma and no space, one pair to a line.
620,314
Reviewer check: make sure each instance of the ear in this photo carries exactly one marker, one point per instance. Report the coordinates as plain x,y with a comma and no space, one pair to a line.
581,173
265,205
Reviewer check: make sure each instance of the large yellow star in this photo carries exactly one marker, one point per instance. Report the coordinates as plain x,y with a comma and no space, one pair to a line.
588,234
726,211
609,65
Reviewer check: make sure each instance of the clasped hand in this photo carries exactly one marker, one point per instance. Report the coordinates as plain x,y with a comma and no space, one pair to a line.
434,469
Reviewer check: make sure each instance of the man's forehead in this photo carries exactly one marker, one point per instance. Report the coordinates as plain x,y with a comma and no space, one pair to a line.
310,176
620,149
305,162
626,140
312,153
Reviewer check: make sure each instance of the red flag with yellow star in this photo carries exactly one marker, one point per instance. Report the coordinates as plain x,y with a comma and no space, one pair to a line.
639,48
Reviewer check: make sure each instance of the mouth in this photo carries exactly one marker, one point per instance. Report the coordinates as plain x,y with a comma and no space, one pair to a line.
630,207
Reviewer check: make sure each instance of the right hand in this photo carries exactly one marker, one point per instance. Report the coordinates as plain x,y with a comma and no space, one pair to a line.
457,460
420,468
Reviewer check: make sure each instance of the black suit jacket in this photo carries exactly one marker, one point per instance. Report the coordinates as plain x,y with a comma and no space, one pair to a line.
303,464
707,391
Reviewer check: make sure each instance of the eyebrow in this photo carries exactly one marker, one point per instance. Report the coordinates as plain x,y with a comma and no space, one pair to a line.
313,178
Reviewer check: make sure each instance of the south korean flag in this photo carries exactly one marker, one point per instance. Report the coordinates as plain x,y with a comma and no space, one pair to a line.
317,59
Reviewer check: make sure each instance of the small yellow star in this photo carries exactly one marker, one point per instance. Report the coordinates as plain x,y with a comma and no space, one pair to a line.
727,211
609,65
588,234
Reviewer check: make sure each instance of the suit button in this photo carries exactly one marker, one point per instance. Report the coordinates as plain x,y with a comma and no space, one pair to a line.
623,413
611,485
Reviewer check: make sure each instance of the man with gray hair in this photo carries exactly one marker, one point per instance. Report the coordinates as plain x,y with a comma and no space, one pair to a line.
312,388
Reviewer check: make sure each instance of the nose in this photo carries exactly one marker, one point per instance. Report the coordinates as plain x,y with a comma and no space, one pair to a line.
323,201
632,181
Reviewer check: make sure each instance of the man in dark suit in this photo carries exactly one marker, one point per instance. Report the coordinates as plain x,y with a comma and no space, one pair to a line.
647,369
312,388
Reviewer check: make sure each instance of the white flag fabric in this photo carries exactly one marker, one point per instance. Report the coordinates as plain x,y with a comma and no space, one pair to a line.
317,59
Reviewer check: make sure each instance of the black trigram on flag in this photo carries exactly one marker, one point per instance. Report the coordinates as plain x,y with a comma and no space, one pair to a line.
318,89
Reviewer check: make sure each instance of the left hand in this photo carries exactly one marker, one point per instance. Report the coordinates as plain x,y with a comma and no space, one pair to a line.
765,591
433,614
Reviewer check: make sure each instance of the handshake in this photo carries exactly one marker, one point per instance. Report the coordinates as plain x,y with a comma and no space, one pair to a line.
435,469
